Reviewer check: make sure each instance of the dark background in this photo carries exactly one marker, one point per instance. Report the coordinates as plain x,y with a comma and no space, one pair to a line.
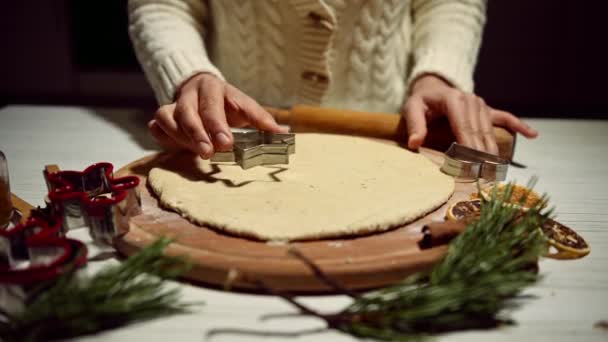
540,58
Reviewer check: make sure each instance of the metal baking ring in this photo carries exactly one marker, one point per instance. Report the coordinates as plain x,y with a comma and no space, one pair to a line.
469,164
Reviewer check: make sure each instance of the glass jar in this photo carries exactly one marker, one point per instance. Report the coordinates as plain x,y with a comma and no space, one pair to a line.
6,206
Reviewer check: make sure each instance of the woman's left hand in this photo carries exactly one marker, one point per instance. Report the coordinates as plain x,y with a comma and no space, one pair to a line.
471,119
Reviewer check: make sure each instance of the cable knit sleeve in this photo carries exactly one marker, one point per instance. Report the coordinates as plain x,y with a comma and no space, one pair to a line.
446,39
168,38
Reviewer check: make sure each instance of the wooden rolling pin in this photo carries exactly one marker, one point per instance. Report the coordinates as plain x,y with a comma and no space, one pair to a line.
376,125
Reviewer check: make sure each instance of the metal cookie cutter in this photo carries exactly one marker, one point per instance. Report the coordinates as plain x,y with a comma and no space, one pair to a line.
90,199
253,148
468,164
32,256
38,250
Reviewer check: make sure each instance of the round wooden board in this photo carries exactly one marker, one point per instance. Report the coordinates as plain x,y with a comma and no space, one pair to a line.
219,259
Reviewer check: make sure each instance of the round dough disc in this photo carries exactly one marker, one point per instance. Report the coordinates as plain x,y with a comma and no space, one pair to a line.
333,186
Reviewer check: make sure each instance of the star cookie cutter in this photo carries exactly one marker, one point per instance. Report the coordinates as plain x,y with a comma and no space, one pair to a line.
254,148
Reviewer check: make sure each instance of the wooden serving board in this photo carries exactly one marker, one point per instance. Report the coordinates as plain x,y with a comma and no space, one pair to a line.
224,260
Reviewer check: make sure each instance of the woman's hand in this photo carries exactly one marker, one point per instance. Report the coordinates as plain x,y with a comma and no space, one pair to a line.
471,119
201,117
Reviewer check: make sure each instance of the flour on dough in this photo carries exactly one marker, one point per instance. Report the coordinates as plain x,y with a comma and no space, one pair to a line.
333,186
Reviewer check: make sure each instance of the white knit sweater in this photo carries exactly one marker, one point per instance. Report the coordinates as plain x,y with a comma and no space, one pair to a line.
357,54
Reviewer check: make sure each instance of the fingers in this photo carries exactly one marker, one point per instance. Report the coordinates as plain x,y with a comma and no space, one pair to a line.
474,121
245,110
415,118
188,119
161,137
211,110
487,129
200,118
456,111
510,121
471,121
165,120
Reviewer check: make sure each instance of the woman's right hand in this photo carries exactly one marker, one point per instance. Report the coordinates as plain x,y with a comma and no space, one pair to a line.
200,118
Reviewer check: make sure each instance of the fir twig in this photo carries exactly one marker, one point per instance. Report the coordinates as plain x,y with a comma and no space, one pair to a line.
485,268
115,296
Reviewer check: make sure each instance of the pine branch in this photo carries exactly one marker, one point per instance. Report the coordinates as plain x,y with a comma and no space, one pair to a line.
485,268
484,271
116,296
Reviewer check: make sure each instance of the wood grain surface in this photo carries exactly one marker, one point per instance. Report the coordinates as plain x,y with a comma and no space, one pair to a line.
22,207
225,260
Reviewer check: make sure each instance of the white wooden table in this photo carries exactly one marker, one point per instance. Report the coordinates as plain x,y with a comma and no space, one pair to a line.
569,157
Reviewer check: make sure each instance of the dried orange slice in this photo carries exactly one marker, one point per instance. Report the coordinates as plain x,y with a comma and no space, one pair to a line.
567,242
464,210
518,192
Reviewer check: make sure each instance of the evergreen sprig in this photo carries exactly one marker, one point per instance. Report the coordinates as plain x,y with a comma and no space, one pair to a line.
484,271
115,296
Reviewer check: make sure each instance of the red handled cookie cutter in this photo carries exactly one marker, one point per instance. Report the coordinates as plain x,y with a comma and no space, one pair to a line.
90,199
38,250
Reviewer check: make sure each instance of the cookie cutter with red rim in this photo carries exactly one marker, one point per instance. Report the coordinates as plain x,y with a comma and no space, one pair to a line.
91,198
38,250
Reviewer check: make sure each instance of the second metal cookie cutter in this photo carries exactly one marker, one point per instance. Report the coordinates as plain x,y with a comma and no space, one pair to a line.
253,148
90,198
468,164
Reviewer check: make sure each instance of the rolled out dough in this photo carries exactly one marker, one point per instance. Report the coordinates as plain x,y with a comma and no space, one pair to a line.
333,186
